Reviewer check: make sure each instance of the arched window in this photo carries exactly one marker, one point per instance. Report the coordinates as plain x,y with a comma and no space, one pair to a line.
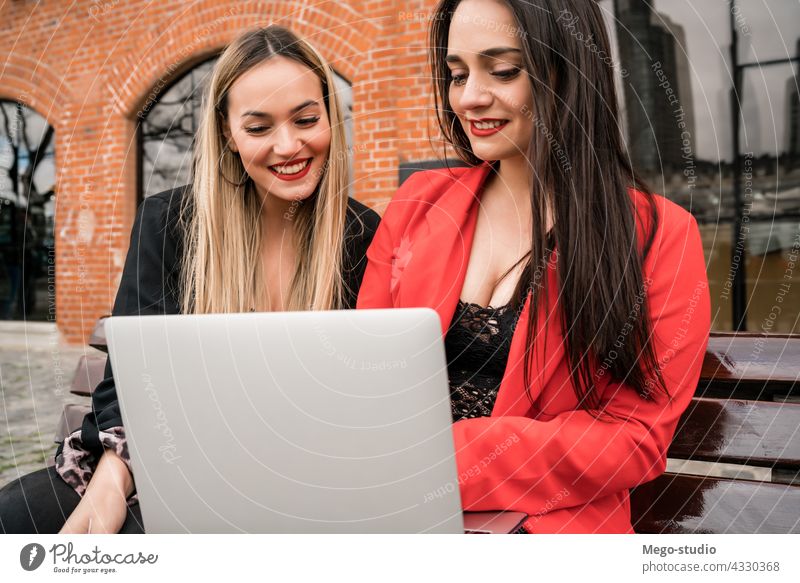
27,210
166,133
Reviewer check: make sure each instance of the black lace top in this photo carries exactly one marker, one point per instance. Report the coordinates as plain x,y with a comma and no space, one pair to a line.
477,345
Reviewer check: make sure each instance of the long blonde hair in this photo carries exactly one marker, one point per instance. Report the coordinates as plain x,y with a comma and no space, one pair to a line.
221,271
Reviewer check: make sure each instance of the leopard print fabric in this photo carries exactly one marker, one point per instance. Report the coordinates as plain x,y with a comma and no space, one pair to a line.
75,465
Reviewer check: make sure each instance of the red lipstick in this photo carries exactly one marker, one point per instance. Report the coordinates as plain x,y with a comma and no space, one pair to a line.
296,176
475,131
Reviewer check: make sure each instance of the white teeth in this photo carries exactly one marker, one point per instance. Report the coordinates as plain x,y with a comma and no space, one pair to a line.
487,125
293,169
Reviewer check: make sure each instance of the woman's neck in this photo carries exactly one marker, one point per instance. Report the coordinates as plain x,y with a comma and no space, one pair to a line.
514,181
277,215
278,252
514,178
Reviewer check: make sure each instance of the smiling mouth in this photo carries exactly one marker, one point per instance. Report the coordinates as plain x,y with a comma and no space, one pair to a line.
291,168
486,127
488,124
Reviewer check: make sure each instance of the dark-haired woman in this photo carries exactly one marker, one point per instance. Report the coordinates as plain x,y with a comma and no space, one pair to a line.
574,302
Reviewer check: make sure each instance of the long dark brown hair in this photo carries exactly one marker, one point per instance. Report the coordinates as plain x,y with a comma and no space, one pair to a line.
583,175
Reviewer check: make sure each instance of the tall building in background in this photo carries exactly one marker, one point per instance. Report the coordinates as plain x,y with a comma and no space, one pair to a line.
653,49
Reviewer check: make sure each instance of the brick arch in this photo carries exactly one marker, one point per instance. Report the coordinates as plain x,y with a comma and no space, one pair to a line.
153,61
32,83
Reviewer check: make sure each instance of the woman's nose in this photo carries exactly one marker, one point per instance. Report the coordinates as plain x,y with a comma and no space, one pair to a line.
286,142
475,94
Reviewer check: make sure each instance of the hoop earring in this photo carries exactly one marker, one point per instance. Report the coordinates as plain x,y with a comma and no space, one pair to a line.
464,151
242,181
452,126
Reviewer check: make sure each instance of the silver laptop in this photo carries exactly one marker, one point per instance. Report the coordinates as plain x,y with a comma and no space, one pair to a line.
291,422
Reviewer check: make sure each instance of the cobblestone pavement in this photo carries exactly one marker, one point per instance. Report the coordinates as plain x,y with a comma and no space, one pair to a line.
35,376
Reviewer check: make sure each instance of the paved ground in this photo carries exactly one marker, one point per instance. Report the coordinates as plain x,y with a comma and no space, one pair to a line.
35,375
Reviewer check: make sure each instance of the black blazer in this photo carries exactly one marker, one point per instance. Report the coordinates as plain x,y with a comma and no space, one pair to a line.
150,280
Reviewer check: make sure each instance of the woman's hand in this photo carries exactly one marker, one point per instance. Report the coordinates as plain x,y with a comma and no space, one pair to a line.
103,508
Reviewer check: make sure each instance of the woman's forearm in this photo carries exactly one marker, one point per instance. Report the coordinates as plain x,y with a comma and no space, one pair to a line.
111,473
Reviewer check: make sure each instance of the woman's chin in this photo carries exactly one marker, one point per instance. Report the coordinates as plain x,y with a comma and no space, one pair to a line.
292,196
495,154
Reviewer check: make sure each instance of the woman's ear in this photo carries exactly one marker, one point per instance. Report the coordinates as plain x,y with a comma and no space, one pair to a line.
226,132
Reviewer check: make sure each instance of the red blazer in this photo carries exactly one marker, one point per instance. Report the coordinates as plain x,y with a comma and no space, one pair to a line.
568,471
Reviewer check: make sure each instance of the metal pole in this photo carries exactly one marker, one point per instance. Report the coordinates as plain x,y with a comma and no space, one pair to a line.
738,255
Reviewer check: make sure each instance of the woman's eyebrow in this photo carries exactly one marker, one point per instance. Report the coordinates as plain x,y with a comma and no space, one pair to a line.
294,110
303,106
485,54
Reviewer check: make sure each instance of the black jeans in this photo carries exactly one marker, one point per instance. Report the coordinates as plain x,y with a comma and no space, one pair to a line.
41,502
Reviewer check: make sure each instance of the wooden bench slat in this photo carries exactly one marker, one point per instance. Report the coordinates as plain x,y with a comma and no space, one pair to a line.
70,420
98,337
750,366
90,371
753,433
682,504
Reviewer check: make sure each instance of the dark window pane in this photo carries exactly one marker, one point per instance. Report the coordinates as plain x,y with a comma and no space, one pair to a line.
27,208
167,132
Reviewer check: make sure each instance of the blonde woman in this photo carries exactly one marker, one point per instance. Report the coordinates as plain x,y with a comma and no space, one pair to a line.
265,225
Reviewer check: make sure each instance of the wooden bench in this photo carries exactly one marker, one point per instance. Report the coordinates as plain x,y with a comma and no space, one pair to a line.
88,374
746,413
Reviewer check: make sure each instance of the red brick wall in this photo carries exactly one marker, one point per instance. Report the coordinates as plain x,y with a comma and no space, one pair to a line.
90,67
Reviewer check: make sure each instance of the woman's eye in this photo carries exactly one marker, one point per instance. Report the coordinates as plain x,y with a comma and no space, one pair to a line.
307,121
255,129
458,79
507,73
